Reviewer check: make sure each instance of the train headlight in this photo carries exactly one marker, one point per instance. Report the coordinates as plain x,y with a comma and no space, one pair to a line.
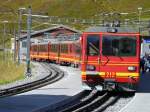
90,67
131,68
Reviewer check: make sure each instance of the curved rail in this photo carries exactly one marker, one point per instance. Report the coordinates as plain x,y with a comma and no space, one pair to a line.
55,74
95,101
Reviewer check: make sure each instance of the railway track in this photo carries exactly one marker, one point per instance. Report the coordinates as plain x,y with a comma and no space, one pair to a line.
55,74
93,101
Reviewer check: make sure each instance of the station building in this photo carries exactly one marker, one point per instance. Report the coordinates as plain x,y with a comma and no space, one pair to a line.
145,46
59,31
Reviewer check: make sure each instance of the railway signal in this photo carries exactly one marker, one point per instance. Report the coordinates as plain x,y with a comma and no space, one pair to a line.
140,12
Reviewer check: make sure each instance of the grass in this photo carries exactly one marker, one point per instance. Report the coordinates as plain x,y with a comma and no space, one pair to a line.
81,9
10,71
86,9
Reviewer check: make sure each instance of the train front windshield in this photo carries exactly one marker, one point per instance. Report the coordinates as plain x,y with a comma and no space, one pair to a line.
93,42
118,45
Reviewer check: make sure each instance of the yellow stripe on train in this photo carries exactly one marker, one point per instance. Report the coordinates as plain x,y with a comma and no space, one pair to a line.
118,74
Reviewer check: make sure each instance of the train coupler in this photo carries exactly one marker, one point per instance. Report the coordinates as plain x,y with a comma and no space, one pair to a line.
109,86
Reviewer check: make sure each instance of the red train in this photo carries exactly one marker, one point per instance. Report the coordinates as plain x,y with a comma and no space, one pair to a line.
109,57
64,52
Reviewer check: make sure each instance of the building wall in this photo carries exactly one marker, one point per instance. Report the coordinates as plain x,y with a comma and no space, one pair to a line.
146,49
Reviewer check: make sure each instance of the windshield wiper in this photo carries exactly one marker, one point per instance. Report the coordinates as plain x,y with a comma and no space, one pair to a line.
94,47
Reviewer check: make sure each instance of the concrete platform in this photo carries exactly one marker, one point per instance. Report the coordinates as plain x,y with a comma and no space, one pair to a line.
54,93
141,101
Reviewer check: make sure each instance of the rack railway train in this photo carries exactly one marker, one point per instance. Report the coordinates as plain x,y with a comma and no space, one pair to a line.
109,57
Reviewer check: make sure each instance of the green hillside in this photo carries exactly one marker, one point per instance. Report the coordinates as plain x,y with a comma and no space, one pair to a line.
89,8
83,9
74,8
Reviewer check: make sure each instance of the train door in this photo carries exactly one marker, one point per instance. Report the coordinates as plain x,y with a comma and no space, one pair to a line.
92,56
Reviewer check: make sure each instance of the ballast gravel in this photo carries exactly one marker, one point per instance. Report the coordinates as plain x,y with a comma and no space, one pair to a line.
122,102
38,72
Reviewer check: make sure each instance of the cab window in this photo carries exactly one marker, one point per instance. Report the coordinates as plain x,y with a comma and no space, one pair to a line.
93,45
118,46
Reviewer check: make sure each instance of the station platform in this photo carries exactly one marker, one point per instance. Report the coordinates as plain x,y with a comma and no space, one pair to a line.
68,86
141,100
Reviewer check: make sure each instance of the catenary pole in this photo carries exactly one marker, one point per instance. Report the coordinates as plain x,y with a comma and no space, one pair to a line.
20,11
29,22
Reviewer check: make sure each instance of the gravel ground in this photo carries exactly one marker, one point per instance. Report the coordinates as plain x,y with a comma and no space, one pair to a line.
49,95
38,72
119,105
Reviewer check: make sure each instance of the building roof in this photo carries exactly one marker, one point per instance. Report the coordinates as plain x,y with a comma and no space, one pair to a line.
50,29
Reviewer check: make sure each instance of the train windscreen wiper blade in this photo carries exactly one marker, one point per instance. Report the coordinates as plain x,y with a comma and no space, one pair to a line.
96,49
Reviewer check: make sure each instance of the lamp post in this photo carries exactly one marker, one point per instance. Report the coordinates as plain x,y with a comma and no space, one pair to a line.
4,35
143,43
19,30
140,12
29,22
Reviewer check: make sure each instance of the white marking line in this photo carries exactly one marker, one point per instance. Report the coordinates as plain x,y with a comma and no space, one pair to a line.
128,104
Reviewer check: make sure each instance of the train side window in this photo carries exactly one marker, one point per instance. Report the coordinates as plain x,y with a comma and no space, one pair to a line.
93,42
35,48
39,48
77,49
52,46
54,49
66,49
32,48
70,48
62,48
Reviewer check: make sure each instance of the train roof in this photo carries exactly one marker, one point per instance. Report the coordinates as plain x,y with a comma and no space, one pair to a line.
117,29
